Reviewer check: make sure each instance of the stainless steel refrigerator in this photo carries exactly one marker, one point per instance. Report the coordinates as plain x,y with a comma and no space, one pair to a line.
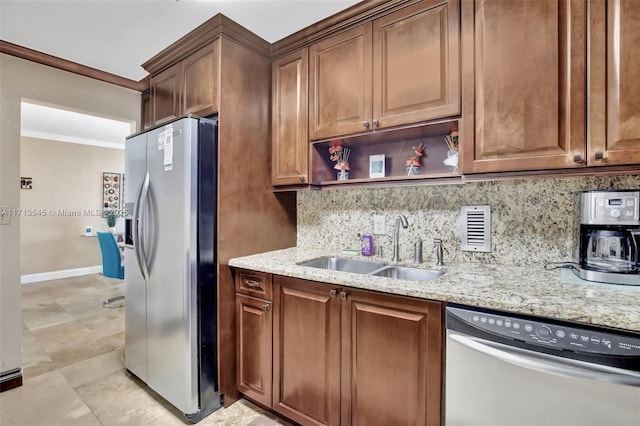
170,263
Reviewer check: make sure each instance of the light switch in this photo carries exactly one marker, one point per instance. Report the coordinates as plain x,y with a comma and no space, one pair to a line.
379,227
5,217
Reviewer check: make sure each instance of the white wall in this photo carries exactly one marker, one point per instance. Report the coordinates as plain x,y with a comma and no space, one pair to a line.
24,79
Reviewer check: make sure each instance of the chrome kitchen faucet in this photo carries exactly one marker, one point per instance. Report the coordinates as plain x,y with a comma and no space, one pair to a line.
396,236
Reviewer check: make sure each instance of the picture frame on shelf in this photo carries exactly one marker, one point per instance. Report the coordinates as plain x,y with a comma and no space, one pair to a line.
377,166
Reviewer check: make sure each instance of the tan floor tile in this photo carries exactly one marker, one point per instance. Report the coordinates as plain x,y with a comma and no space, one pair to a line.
45,315
71,343
94,368
119,398
44,400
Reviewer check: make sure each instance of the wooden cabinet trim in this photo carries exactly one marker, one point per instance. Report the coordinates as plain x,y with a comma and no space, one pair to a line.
206,33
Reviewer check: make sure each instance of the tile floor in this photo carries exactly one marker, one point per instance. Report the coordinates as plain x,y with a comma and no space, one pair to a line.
73,365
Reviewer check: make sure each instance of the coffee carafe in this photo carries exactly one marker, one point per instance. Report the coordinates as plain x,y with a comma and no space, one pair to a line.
609,237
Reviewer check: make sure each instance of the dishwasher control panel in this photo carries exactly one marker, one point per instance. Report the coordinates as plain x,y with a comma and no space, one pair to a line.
550,334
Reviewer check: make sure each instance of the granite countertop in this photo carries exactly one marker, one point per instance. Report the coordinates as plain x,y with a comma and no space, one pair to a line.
526,290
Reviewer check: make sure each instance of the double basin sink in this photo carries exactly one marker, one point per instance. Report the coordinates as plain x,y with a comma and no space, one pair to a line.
379,269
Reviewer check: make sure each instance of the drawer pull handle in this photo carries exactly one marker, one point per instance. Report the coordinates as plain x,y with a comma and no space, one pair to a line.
376,123
333,293
365,124
252,283
577,158
599,155
265,308
343,295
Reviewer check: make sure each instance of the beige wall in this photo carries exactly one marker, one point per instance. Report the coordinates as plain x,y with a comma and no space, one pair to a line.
67,186
24,79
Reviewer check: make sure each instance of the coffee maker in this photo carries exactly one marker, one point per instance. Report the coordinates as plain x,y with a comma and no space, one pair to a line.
609,236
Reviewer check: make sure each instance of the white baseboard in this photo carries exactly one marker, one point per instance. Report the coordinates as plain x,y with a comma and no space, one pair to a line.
56,275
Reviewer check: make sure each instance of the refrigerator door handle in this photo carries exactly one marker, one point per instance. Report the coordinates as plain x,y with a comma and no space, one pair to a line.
144,196
138,227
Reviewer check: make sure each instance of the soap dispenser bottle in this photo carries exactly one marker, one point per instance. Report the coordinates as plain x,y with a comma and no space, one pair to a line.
367,245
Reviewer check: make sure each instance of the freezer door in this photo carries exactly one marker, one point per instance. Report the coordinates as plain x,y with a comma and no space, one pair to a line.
135,285
171,251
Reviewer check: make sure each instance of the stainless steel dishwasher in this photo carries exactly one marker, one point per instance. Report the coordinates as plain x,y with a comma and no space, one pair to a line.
516,370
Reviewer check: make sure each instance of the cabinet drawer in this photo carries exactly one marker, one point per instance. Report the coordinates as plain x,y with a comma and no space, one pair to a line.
254,283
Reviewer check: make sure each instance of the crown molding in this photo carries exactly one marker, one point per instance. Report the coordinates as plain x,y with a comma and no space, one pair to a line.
73,67
357,14
206,33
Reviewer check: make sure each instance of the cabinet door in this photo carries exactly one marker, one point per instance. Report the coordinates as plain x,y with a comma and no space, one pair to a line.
146,110
524,107
391,360
165,95
290,142
340,84
614,96
253,350
306,352
416,70
200,81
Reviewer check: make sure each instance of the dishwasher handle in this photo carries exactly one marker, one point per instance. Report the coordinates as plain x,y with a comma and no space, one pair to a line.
549,364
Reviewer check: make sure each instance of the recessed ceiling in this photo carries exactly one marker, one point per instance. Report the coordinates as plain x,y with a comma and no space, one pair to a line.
57,124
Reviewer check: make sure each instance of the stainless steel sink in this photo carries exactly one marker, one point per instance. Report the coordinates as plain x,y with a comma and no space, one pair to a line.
344,265
406,273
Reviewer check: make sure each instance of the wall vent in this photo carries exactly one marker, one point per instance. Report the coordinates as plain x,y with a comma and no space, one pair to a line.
475,228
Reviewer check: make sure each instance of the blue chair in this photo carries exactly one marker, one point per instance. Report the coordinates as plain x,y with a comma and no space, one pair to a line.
111,261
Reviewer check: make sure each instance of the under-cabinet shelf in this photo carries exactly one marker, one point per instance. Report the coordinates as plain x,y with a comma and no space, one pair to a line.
396,145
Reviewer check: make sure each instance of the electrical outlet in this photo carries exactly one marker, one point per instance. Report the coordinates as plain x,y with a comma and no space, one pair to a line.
5,217
379,227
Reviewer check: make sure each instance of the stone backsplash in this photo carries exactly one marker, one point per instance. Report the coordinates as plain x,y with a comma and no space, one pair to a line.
532,219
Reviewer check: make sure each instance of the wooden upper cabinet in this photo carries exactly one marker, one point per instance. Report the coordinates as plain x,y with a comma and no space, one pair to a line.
614,95
391,360
200,72
187,87
416,71
400,69
290,143
340,84
165,95
523,85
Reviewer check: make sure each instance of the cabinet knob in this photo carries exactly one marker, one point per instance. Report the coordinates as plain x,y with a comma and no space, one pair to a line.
365,124
577,158
301,178
343,295
376,123
265,308
333,293
599,155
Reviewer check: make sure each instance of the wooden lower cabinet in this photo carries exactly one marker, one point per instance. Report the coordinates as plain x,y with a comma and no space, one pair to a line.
344,356
306,351
253,326
391,360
